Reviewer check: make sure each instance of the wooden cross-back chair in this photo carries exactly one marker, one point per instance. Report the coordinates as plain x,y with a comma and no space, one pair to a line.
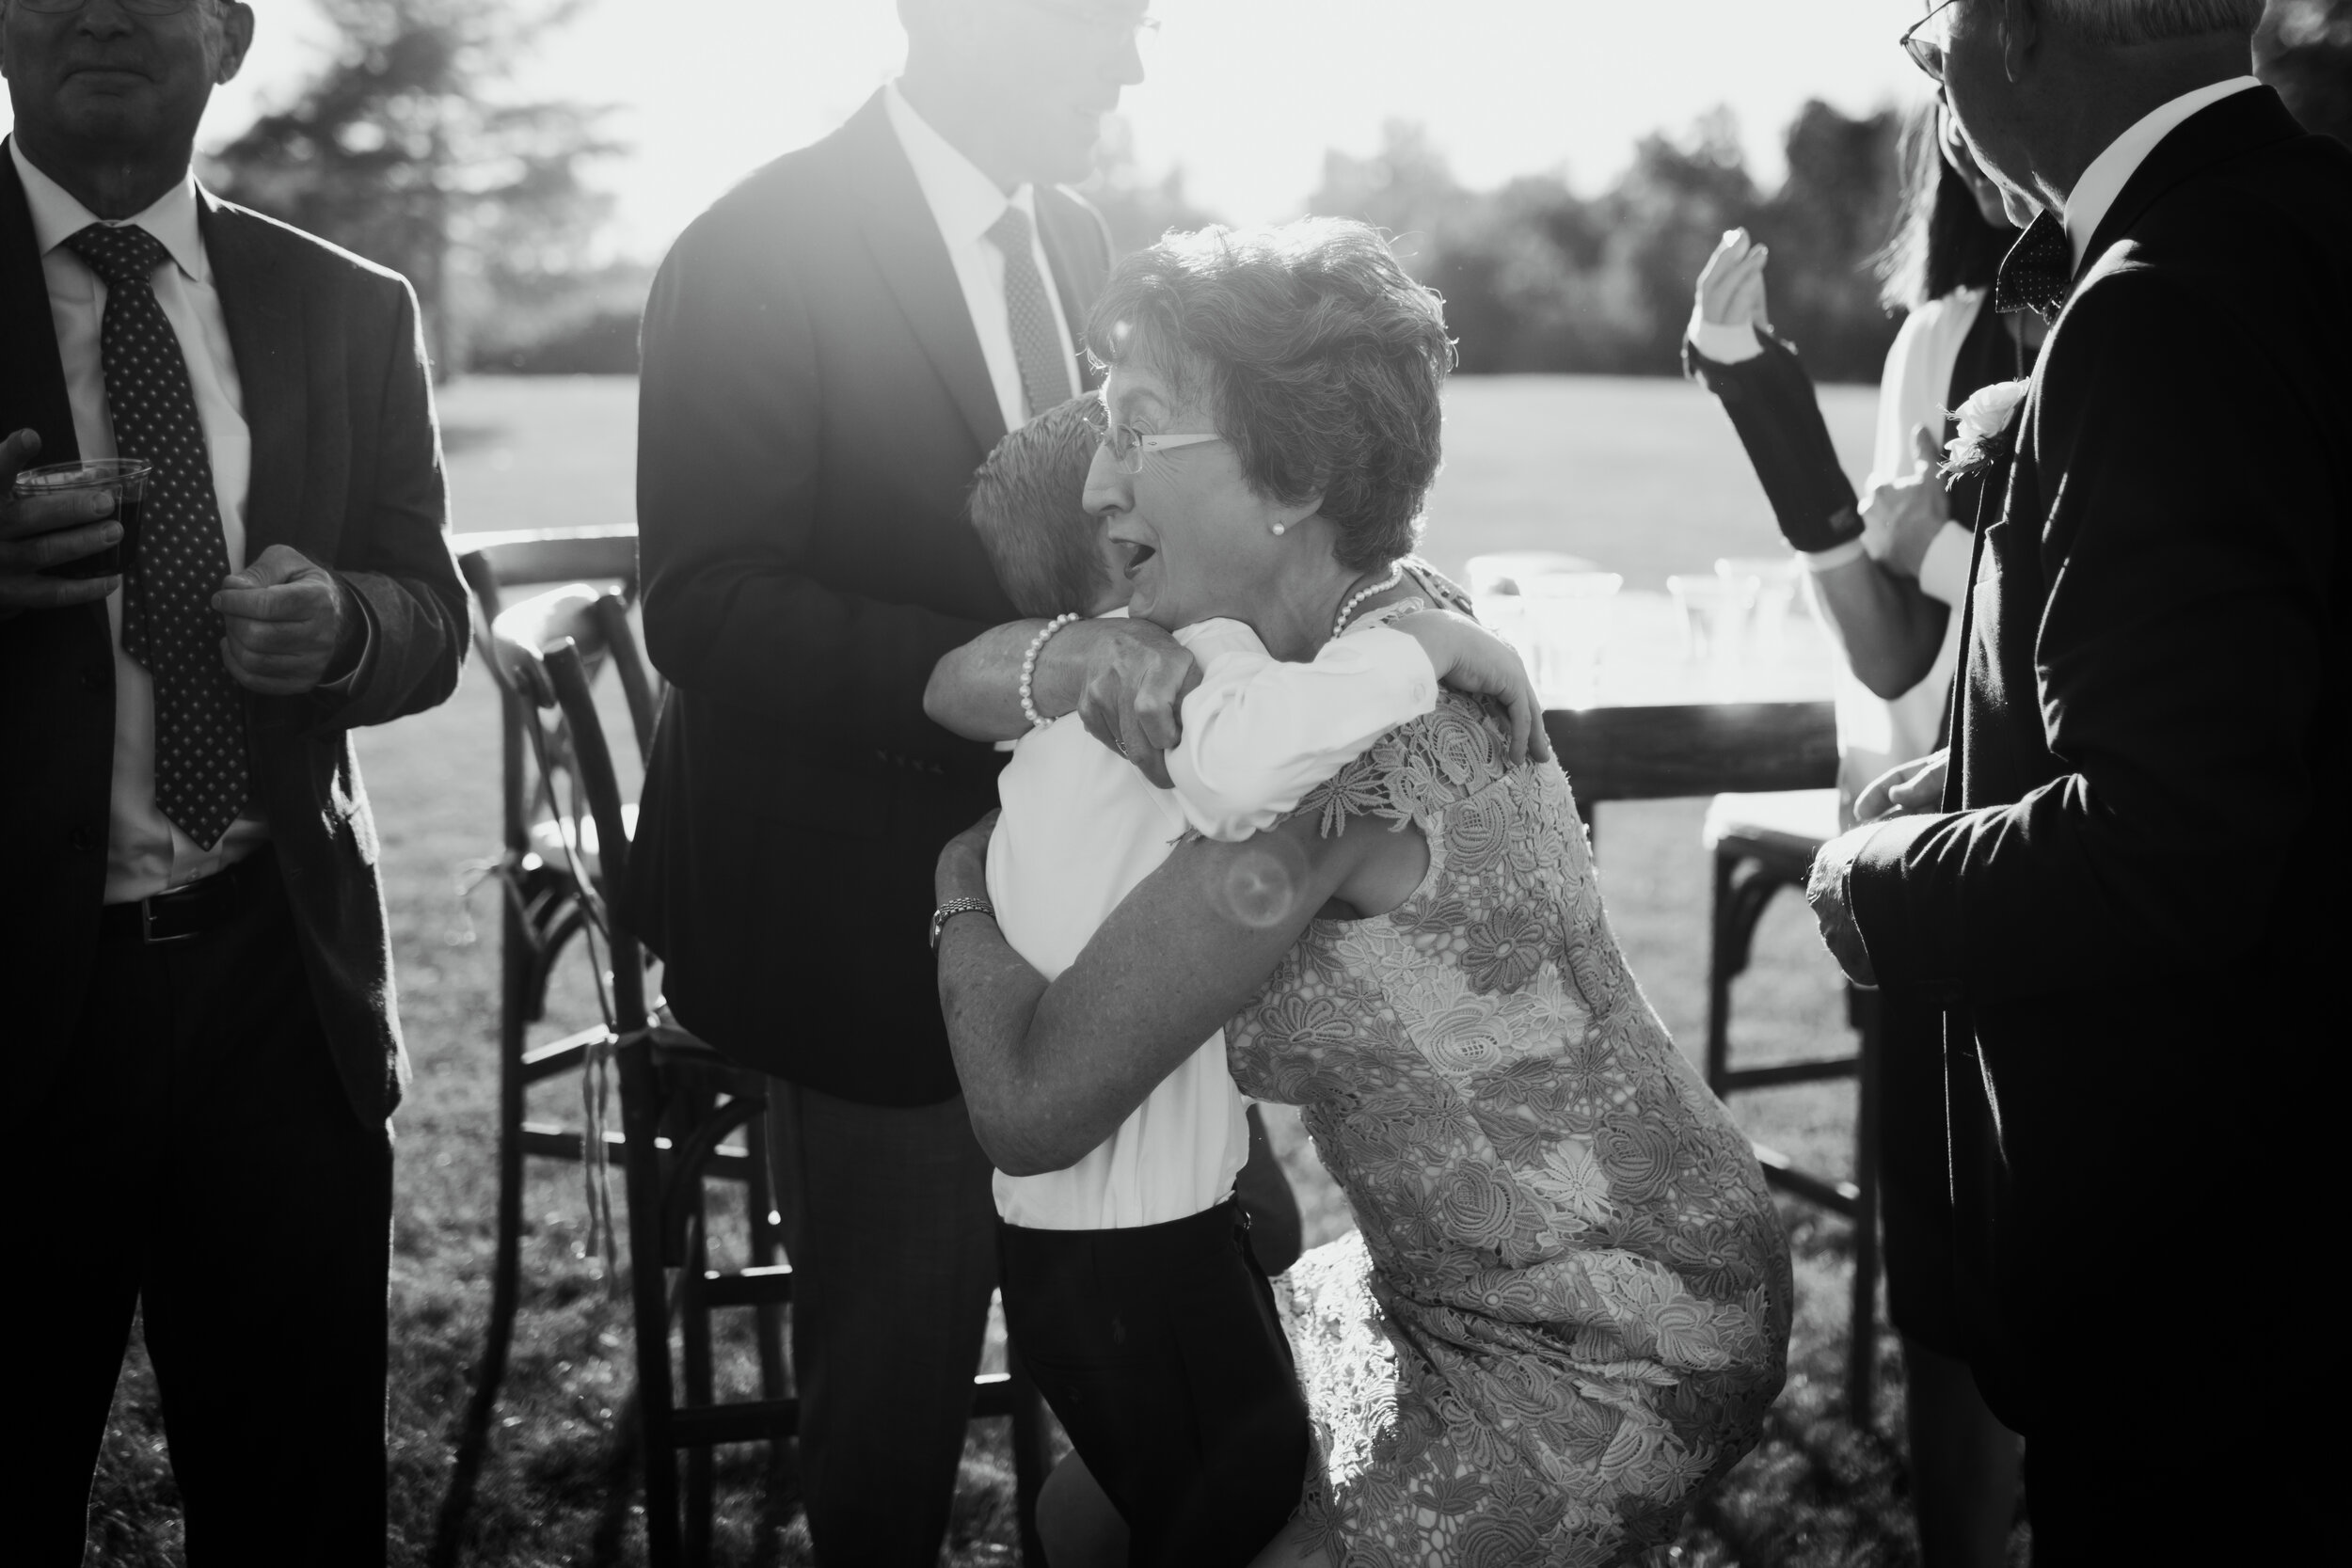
1744,754
687,1115
540,914
681,1103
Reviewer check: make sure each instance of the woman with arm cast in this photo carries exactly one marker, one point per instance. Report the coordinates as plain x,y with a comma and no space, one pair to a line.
1889,578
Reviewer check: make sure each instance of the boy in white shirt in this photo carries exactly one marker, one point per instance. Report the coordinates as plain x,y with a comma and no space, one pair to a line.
1130,1288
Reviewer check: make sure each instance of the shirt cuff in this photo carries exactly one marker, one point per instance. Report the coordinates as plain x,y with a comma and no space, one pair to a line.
349,681
1726,345
1817,561
1943,570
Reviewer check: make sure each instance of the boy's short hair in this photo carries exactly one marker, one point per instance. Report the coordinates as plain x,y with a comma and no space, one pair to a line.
1027,505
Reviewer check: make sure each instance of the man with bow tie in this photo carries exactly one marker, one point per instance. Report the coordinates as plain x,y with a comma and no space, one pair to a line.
2126,899
202,1033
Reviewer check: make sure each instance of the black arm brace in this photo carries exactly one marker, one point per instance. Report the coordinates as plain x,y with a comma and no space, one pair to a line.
1769,399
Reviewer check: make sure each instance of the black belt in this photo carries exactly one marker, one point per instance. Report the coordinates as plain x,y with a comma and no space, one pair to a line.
184,912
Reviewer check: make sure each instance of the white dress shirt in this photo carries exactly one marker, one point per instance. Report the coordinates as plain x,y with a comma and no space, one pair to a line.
2086,204
145,852
966,203
1081,827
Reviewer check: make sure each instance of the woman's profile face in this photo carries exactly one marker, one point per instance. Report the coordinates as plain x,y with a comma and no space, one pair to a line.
1198,540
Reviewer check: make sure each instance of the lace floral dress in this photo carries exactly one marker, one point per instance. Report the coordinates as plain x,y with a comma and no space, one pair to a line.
1566,1308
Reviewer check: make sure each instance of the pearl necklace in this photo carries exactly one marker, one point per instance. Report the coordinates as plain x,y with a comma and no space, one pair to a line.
1396,575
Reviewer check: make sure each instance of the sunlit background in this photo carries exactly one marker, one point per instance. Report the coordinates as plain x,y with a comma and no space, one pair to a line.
1558,169
1244,96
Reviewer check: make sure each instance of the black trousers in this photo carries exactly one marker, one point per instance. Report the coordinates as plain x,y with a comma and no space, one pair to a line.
892,1234
197,1157
1917,1227
1159,1350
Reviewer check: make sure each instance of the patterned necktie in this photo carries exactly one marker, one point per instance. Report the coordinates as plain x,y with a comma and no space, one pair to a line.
2038,273
1036,347
168,624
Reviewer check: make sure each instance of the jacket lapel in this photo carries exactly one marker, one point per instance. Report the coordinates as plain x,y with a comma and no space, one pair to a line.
2237,124
913,259
32,390
262,304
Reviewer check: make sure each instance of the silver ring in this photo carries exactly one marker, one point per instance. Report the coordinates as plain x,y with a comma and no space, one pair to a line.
1122,748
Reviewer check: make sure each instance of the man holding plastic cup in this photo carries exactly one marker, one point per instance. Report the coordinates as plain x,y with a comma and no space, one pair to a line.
200,1029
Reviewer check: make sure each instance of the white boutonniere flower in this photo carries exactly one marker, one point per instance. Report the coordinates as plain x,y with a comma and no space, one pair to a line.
1988,429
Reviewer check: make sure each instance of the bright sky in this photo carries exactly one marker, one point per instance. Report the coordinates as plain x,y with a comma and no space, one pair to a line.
1245,94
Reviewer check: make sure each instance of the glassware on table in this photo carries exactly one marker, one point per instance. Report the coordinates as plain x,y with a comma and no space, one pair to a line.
1501,573
1496,585
124,477
1715,613
1564,620
1777,578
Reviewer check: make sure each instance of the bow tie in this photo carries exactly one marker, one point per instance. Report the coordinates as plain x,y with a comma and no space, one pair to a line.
2038,273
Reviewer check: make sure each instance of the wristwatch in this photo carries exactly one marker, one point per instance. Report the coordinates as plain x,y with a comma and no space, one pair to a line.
953,907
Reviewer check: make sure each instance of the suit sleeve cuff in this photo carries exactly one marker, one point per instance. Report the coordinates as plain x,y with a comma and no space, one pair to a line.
350,680
1874,896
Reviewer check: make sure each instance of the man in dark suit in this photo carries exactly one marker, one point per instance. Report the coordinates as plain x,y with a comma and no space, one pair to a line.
193,938
2121,900
829,353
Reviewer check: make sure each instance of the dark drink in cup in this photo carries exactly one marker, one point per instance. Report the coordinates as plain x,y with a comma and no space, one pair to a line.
124,477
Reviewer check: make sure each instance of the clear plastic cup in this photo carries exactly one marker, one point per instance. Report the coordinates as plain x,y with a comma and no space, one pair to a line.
124,477
1777,578
1565,619
1715,611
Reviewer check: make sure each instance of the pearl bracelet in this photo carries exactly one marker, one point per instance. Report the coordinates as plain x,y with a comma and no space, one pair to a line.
1028,668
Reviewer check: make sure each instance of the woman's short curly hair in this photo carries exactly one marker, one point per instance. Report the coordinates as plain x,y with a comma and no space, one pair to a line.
1322,362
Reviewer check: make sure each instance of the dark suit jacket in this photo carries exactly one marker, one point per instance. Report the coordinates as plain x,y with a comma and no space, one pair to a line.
2135,904
347,469
813,402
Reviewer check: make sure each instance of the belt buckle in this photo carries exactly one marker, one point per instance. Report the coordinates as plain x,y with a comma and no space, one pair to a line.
147,926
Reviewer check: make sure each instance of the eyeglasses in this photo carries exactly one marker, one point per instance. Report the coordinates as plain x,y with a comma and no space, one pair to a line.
1119,26
1127,445
1924,43
136,7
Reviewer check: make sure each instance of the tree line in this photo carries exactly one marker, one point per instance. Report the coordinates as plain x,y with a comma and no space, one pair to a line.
410,148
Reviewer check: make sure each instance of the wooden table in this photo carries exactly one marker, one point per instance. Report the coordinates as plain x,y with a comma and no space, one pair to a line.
1651,723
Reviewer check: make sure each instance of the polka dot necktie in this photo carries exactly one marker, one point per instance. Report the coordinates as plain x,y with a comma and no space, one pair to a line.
1036,347
2038,273
168,623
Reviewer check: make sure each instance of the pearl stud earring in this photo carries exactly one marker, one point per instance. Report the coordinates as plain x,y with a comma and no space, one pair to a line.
1281,529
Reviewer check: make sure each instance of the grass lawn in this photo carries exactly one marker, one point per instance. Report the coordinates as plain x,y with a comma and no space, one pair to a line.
1642,475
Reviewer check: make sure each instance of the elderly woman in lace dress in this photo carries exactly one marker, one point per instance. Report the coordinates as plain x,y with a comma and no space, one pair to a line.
1565,1306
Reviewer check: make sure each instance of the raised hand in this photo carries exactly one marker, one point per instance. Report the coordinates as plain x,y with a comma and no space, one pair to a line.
49,531
1469,659
286,618
1731,285
1904,789
1900,520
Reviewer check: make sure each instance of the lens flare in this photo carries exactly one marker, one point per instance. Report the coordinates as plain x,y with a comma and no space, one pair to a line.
1262,883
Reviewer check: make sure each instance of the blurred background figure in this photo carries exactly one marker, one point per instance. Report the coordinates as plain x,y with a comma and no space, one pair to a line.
1887,577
